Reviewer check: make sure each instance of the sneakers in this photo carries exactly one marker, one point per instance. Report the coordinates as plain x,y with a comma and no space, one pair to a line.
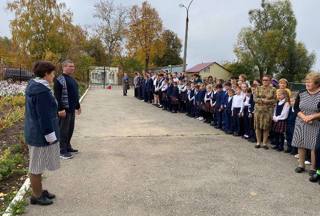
307,162
299,170
315,178
73,151
236,134
66,156
246,136
288,150
312,172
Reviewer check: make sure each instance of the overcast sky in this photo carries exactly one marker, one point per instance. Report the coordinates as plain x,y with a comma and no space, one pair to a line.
214,24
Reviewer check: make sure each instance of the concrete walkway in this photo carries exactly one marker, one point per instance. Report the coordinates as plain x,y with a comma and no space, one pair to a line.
138,160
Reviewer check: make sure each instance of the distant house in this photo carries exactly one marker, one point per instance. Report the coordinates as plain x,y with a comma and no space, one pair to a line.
210,69
104,75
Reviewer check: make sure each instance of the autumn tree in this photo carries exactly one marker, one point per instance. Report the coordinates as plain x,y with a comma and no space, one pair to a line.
43,29
94,47
237,68
267,42
112,26
8,53
128,64
171,50
145,27
39,27
297,64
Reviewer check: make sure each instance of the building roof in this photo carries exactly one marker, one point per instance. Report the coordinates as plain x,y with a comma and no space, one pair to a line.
199,67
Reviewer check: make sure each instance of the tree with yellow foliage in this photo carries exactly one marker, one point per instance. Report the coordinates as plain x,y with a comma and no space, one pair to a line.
39,28
145,27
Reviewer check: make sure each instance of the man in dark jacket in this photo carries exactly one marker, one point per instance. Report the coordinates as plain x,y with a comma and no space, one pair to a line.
67,94
125,84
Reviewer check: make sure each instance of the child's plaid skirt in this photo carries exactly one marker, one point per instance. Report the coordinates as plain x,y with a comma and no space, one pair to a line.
280,126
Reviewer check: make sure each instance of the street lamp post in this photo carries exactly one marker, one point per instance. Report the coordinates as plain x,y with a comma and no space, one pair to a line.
186,35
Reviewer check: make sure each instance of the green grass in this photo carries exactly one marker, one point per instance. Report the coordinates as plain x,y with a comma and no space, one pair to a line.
12,162
17,208
82,88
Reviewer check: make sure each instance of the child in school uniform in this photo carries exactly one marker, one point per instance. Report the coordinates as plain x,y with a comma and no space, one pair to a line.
316,177
246,120
169,94
188,102
292,115
237,111
226,87
175,97
228,125
244,125
218,109
252,134
280,116
156,81
199,101
213,105
145,87
183,96
158,88
164,96
207,104
195,113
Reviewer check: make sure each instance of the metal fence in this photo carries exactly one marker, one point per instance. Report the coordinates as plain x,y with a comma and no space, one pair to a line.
15,74
296,86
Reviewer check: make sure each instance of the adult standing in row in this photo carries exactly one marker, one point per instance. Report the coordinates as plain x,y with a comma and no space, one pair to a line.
307,125
135,84
125,84
265,99
67,94
41,130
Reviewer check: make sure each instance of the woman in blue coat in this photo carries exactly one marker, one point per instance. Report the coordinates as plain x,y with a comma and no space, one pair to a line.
41,130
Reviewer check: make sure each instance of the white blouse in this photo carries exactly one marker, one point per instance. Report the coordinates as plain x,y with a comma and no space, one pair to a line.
285,111
237,102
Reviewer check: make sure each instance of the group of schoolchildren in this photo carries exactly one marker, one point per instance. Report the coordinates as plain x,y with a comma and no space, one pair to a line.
226,105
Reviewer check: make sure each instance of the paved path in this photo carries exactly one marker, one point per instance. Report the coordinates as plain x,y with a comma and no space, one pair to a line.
138,160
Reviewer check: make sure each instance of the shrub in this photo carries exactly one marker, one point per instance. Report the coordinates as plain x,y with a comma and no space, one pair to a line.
10,164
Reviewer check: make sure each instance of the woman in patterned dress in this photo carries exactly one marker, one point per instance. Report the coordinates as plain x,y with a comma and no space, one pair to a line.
265,99
307,124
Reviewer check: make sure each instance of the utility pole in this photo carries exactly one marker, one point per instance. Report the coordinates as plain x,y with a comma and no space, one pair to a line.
186,35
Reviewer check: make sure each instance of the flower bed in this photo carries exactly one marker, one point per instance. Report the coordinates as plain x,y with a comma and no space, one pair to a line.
12,89
13,151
